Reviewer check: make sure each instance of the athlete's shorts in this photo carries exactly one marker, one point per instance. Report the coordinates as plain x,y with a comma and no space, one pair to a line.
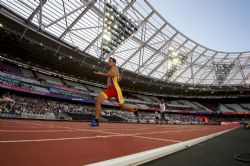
112,91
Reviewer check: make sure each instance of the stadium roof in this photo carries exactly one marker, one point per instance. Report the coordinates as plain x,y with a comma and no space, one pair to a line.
156,49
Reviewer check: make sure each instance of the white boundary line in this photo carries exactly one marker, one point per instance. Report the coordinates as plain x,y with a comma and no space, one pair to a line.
87,137
78,138
57,139
158,139
35,131
29,127
146,156
70,128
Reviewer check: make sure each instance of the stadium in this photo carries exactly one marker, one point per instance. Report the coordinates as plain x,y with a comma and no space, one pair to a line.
50,52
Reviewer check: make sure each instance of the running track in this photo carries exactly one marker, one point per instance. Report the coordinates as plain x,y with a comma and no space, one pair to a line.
26,142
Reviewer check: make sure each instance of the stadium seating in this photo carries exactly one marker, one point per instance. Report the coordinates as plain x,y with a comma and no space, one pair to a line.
9,68
49,79
94,89
225,108
236,107
76,85
27,73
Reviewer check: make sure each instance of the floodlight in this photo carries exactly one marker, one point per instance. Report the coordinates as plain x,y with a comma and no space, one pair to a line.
119,26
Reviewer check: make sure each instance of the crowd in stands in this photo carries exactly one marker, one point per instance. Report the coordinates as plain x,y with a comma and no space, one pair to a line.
12,75
45,108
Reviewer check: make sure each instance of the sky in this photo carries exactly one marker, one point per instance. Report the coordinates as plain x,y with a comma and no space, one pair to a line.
221,25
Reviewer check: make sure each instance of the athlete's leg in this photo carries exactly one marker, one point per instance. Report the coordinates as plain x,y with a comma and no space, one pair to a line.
166,119
128,108
98,101
162,116
131,109
120,100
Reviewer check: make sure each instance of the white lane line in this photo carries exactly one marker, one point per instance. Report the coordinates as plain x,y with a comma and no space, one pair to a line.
71,128
31,131
162,132
124,129
57,139
158,139
77,138
24,127
171,131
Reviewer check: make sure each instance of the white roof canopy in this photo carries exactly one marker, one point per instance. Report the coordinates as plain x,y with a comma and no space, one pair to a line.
156,49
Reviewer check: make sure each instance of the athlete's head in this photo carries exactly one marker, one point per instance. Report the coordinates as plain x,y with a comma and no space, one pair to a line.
162,101
111,62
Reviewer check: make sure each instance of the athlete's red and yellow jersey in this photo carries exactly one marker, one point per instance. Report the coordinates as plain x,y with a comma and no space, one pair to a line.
114,90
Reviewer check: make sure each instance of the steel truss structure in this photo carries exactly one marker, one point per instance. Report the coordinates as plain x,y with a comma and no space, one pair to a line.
80,24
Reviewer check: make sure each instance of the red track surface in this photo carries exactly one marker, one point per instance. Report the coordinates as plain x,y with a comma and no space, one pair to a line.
42,143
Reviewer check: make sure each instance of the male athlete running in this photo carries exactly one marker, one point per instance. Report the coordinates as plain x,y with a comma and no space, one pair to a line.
113,90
